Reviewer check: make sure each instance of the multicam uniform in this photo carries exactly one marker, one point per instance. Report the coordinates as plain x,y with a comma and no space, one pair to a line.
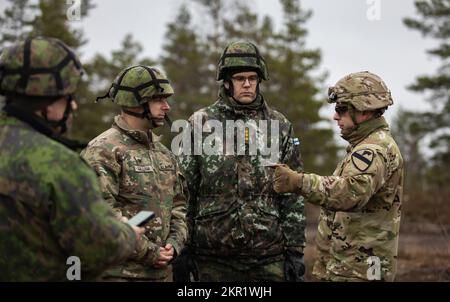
359,222
360,215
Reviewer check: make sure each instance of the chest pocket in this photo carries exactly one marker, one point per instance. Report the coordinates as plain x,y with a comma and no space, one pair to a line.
167,173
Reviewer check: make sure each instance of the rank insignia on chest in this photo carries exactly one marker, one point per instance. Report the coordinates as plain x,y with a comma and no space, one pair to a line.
143,169
362,159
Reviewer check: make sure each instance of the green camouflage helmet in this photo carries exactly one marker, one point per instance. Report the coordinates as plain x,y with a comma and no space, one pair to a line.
364,90
39,67
241,54
138,84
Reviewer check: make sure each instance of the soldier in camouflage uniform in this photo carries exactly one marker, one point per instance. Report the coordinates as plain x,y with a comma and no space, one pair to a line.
359,222
137,172
50,200
240,230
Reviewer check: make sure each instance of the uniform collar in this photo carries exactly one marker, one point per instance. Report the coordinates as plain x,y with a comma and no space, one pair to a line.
145,138
364,129
227,103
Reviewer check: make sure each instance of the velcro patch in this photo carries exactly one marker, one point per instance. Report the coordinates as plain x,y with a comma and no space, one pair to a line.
166,166
141,169
362,159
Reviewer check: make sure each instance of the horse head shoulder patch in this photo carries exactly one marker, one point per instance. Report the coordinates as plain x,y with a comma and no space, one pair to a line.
362,159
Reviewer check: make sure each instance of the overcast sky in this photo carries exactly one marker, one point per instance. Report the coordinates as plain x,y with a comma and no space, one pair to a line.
349,41
340,28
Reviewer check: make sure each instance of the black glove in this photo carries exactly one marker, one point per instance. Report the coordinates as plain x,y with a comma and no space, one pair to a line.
294,267
183,266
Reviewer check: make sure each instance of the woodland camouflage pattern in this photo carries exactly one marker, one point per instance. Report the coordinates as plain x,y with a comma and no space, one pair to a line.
51,208
44,53
361,207
138,74
241,47
234,215
139,173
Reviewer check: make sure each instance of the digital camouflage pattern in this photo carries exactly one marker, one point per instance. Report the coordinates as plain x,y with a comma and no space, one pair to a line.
234,215
54,70
51,208
241,54
361,206
364,90
139,173
143,80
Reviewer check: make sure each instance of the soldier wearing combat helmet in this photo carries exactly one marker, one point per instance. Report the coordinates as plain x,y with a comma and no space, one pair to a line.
240,230
137,172
50,201
359,222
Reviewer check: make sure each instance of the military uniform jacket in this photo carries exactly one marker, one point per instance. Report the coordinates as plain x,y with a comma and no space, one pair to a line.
139,173
359,222
233,211
51,208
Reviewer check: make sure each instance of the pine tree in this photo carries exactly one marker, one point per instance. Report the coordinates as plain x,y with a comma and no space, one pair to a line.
52,21
294,89
433,21
16,21
185,64
94,118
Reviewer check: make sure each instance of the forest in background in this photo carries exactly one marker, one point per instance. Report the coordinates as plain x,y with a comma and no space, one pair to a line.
190,55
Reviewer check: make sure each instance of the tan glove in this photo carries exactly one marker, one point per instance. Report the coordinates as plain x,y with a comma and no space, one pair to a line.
287,180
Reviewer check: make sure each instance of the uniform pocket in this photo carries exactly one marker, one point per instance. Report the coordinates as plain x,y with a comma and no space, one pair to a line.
216,225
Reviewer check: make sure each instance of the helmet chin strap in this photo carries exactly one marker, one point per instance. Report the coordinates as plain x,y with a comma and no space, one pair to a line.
62,123
146,114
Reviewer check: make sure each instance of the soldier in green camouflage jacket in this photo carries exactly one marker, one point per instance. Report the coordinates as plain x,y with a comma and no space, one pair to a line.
51,206
240,230
137,172
359,222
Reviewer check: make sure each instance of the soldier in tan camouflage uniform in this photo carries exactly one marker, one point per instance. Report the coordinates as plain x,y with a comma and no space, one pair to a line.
137,172
359,222
240,229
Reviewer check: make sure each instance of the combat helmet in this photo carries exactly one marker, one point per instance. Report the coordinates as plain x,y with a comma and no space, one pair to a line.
136,85
364,90
241,54
39,67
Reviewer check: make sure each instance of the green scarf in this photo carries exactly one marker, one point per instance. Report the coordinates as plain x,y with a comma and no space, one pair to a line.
255,105
364,129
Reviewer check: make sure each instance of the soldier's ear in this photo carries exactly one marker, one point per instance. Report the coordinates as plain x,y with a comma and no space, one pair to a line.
226,84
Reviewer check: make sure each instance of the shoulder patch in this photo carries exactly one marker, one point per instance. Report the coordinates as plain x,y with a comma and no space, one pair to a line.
362,159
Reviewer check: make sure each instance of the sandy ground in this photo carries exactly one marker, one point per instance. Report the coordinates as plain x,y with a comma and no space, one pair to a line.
424,252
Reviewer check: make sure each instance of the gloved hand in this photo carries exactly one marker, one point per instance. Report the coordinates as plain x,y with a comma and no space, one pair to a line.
294,267
183,266
287,180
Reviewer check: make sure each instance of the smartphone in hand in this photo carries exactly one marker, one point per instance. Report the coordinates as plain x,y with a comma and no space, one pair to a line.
141,218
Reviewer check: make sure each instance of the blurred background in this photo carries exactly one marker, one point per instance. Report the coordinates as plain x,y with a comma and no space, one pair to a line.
308,45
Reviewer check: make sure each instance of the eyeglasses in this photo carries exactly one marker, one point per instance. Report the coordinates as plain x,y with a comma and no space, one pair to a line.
253,79
341,109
